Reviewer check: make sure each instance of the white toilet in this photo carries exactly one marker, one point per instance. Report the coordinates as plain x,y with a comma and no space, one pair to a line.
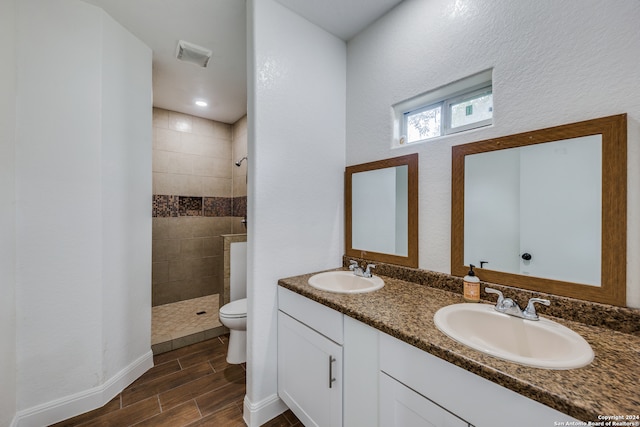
234,314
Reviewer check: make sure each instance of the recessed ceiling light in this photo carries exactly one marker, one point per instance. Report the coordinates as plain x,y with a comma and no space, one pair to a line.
201,103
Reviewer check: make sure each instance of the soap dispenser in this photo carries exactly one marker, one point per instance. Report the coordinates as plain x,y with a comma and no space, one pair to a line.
471,286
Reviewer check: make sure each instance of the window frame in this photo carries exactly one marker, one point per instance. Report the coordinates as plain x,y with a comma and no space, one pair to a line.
444,96
466,96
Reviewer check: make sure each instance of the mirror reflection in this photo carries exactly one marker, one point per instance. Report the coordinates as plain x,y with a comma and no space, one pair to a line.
381,210
535,210
545,210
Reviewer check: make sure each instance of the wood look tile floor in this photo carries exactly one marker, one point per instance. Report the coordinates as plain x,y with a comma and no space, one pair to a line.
191,386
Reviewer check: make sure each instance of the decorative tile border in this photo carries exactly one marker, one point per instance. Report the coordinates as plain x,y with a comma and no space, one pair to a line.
166,206
240,206
217,206
190,206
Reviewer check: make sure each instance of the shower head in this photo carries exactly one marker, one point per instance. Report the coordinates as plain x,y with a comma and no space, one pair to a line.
239,162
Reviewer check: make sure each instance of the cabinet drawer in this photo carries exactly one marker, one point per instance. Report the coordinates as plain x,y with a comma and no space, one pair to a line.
318,317
469,396
404,407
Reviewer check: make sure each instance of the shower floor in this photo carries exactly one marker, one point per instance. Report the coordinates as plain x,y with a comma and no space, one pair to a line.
178,324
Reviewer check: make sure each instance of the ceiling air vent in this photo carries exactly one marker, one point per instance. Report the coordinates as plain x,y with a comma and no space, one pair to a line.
189,52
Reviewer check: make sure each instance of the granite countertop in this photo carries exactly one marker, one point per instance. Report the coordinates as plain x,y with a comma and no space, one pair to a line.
608,386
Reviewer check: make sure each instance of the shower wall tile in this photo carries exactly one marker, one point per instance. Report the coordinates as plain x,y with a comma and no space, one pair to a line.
160,118
190,268
237,226
188,185
181,163
214,167
182,228
180,122
165,249
239,186
203,127
211,226
206,146
222,130
239,143
191,248
167,140
159,272
212,246
193,174
216,187
165,293
161,183
203,166
160,161
160,228
221,149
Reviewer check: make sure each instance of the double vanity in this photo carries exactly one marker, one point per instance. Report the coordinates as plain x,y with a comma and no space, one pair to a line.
393,345
378,358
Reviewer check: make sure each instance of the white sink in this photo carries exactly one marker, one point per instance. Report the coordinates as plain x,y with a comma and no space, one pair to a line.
541,344
345,282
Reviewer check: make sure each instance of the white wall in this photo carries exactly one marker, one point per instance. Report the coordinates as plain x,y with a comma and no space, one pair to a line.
296,164
553,63
58,208
83,185
7,213
126,191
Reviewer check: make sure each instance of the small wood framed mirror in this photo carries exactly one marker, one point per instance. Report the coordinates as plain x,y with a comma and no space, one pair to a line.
381,210
545,210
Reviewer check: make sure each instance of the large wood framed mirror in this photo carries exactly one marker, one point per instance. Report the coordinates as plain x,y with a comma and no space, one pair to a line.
545,210
381,210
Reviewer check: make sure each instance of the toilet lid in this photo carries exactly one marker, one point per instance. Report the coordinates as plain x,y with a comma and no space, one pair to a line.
237,308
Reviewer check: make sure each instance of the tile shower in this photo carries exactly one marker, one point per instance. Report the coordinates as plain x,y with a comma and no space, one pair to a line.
198,196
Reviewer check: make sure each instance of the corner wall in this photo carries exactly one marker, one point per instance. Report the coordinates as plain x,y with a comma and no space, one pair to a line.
552,64
83,220
296,164
7,212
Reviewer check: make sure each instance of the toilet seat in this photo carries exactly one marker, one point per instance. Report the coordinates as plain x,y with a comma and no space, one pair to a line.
234,309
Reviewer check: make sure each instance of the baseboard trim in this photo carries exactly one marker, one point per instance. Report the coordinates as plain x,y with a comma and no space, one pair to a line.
256,414
84,401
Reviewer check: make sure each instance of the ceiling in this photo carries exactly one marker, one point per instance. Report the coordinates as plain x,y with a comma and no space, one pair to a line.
220,26
342,18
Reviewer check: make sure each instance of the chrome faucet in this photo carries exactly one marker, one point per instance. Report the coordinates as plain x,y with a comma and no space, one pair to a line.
510,307
358,271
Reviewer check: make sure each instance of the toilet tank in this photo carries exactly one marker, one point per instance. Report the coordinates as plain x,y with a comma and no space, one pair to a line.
238,271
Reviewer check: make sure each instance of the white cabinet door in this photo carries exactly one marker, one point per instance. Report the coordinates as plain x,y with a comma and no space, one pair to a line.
309,373
401,407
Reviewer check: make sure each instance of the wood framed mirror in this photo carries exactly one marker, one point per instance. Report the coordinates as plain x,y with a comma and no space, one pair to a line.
545,210
381,210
